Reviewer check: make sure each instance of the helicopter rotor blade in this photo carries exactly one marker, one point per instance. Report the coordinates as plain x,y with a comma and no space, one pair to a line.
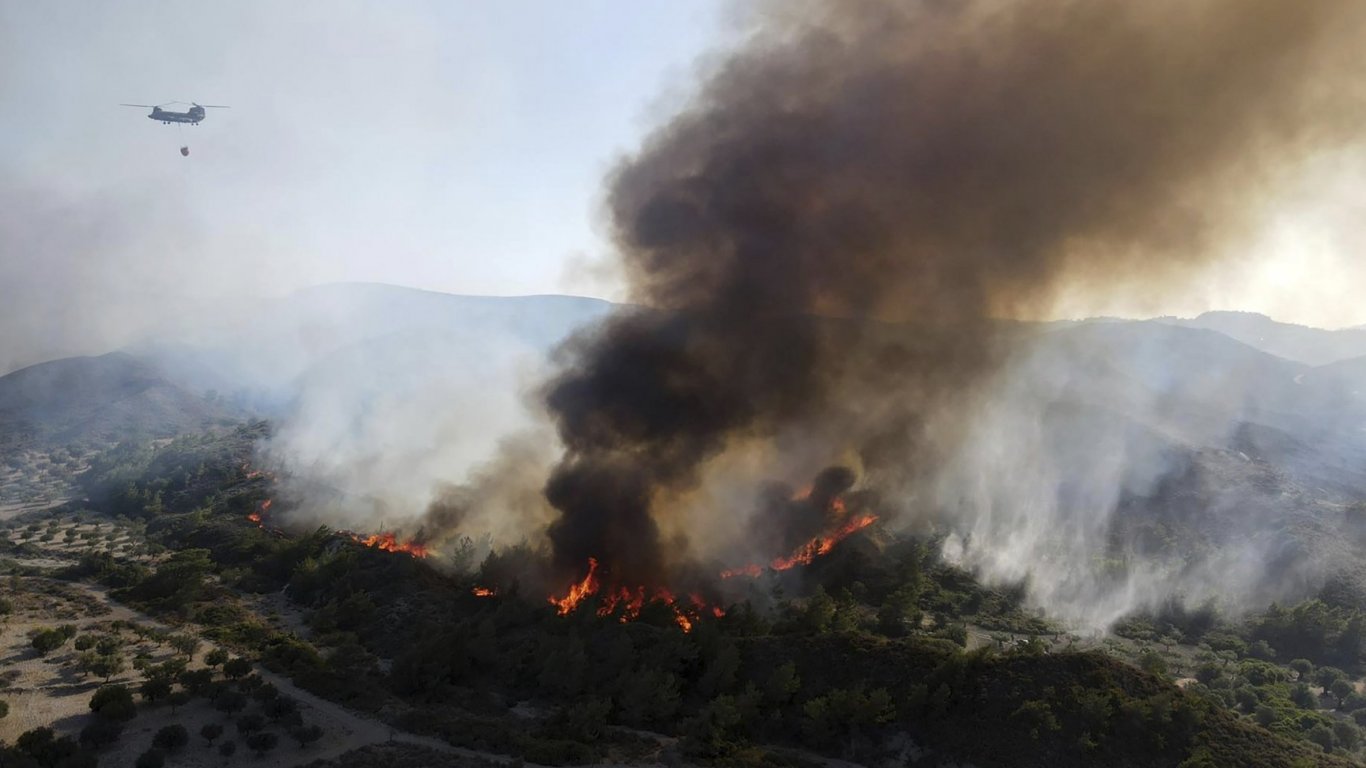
147,106
214,106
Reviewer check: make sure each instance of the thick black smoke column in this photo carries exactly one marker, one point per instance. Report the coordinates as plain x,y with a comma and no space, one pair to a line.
933,162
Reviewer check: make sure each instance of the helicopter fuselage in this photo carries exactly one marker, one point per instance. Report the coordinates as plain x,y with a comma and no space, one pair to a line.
192,117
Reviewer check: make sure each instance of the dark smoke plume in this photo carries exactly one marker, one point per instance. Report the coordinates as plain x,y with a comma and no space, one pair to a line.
934,163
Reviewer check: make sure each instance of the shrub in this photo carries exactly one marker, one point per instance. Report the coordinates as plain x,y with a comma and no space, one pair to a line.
155,688
113,702
211,731
101,732
171,737
280,708
196,681
152,758
47,640
305,734
237,668
261,743
249,724
230,702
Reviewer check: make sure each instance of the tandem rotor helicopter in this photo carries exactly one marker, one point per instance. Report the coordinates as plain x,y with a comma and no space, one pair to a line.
192,116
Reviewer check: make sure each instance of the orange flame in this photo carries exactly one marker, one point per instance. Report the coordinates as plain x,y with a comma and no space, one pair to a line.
483,592
259,514
252,474
389,542
565,605
822,544
817,546
626,603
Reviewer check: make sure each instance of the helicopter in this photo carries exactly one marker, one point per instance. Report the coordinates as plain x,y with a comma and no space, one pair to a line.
191,116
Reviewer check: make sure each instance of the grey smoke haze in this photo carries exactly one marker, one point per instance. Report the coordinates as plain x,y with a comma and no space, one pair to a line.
940,165
933,163
448,146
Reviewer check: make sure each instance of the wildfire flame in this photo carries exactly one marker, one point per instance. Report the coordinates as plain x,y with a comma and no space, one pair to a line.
483,592
251,473
389,542
820,544
258,516
626,602
577,592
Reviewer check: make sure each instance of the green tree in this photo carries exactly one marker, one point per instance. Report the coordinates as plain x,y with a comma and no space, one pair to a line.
196,681
781,685
265,692
249,724
171,737
216,657
178,699
564,664
211,731
1151,661
650,696
1347,734
1035,716
227,748
820,612
46,641
1322,735
237,668
114,702
185,644
305,734
230,702
1326,676
261,743
152,758
45,749
844,714
155,688
1341,689
280,707
1304,697
100,733
105,666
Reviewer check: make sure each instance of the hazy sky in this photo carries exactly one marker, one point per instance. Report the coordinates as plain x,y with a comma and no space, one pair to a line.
455,146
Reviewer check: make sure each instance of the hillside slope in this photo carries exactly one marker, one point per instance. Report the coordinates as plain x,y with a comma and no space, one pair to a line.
107,398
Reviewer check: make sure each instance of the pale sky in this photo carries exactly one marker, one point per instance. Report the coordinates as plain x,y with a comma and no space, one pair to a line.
454,146
450,145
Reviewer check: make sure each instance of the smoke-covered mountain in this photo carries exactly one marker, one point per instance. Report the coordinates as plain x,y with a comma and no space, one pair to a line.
1211,469
258,350
1154,440
108,398
1314,346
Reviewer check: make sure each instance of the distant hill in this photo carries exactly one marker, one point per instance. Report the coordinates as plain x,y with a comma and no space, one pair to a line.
1313,346
264,346
103,399
1225,433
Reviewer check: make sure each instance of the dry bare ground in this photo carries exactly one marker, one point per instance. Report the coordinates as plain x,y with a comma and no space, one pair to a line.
51,691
